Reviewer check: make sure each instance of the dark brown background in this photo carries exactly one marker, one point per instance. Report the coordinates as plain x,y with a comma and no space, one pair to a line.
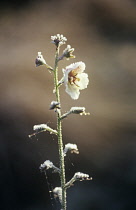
103,34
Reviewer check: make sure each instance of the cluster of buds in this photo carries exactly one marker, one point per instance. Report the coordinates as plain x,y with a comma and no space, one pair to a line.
58,40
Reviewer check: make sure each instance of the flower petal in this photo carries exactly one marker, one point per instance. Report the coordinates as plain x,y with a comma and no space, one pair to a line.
73,91
79,67
83,81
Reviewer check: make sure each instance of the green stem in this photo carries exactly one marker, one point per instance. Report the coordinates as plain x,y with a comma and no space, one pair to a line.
59,130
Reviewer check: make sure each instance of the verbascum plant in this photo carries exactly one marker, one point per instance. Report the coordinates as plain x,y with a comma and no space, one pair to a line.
74,79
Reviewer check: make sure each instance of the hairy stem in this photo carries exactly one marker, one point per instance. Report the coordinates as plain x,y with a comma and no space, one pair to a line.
59,130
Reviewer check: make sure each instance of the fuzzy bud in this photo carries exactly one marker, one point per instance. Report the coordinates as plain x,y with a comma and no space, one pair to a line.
49,165
57,191
77,177
46,165
54,105
81,176
72,148
77,110
68,52
58,39
40,127
40,60
44,127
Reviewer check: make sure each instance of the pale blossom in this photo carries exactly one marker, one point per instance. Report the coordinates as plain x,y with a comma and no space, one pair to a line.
75,79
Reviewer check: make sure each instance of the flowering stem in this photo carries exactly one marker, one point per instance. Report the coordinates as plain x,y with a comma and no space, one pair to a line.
59,130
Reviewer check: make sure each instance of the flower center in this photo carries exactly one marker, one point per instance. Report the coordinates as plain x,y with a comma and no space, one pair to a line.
72,78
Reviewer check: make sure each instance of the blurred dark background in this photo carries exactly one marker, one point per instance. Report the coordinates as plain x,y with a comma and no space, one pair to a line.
103,34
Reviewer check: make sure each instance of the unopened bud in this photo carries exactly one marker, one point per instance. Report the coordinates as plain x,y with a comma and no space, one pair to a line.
58,39
49,165
72,148
77,110
77,177
57,191
68,52
54,105
40,127
81,176
46,165
40,60
43,127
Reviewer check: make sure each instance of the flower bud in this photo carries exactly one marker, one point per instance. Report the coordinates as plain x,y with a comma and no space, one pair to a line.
43,127
58,39
81,176
46,165
78,176
55,105
72,148
57,191
40,60
68,52
40,127
77,110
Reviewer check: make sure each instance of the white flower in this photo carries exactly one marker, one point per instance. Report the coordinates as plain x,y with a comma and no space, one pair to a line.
75,79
